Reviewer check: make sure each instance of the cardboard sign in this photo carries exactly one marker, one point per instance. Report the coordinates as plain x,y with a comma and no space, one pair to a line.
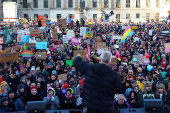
43,20
167,47
113,63
90,26
100,45
99,39
41,55
34,32
31,44
27,53
83,54
62,78
7,57
54,30
15,48
8,49
61,23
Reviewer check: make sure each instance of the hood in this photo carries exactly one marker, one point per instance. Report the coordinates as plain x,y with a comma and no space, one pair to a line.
100,69
2,100
52,90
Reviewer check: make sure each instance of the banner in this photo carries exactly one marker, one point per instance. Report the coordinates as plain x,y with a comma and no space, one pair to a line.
89,33
7,57
1,40
41,55
27,53
83,53
25,38
167,47
41,45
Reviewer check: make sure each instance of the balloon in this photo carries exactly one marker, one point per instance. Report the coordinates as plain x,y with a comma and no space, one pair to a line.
145,62
149,67
135,60
63,92
147,55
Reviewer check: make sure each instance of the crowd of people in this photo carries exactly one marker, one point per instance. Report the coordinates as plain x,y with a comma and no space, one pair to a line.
38,79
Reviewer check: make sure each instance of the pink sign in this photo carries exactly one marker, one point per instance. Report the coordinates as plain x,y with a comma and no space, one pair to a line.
74,41
167,47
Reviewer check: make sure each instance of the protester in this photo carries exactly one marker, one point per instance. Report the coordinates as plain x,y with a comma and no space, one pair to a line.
33,95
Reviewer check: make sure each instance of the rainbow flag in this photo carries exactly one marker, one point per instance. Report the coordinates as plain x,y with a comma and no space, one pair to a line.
127,32
27,53
25,47
117,53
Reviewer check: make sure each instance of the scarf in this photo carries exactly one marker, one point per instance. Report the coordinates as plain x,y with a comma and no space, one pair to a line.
68,97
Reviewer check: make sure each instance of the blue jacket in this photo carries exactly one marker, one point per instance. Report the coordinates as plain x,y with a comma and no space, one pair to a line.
19,106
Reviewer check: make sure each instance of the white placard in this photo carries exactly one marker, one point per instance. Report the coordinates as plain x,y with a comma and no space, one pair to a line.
83,31
1,32
117,37
154,38
32,40
135,39
0,47
150,32
70,34
65,38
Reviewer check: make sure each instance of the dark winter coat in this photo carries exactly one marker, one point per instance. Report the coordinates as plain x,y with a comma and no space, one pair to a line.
68,103
13,83
100,85
36,97
137,103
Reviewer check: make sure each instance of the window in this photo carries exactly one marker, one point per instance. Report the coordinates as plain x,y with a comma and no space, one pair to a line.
137,15
157,15
35,3
127,16
137,3
45,3
58,16
106,3
58,3
46,16
94,16
82,3
157,3
70,3
147,16
94,3
70,16
127,3
117,3
24,3
147,3
117,17
35,16
26,16
14,1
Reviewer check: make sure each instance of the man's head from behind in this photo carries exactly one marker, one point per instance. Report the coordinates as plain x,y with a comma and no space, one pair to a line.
106,57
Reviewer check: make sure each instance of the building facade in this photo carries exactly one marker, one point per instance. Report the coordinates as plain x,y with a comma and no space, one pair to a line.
135,10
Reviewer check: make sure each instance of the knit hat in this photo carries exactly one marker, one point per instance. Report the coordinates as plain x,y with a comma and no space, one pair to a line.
139,68
20,86
124,71
3,83
49,64
160,86
54,72
143,74
13,72
11,91
133,81
65,85
147,84
53,48
33,68
38,68
72,76
81,81
51,89
39,76
33,87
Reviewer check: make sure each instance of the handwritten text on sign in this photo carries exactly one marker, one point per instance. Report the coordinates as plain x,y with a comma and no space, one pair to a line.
167,47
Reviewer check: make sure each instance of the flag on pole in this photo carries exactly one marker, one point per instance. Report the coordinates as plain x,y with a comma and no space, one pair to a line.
7,36
127,32
25,47
117,53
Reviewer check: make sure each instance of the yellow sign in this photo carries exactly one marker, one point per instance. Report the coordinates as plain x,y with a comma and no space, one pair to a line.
134,27
169,12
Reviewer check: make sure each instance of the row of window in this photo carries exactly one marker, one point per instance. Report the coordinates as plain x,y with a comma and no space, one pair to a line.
70,3
138,3
137,16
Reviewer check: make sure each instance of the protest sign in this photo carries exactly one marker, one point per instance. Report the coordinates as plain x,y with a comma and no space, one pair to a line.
31,44
117,37
19,38
32,40
83,53
98,39
15,48
83,31
40,55
69,62
134,27
1,40
41,45
27,53
55,34
25,38
61,23
7,57
150,32
90,26
167,47
89,33
34,32
1,32
68,20
0,47
100,45
70,34
113,62
43,20
136,39
65,39
62,78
